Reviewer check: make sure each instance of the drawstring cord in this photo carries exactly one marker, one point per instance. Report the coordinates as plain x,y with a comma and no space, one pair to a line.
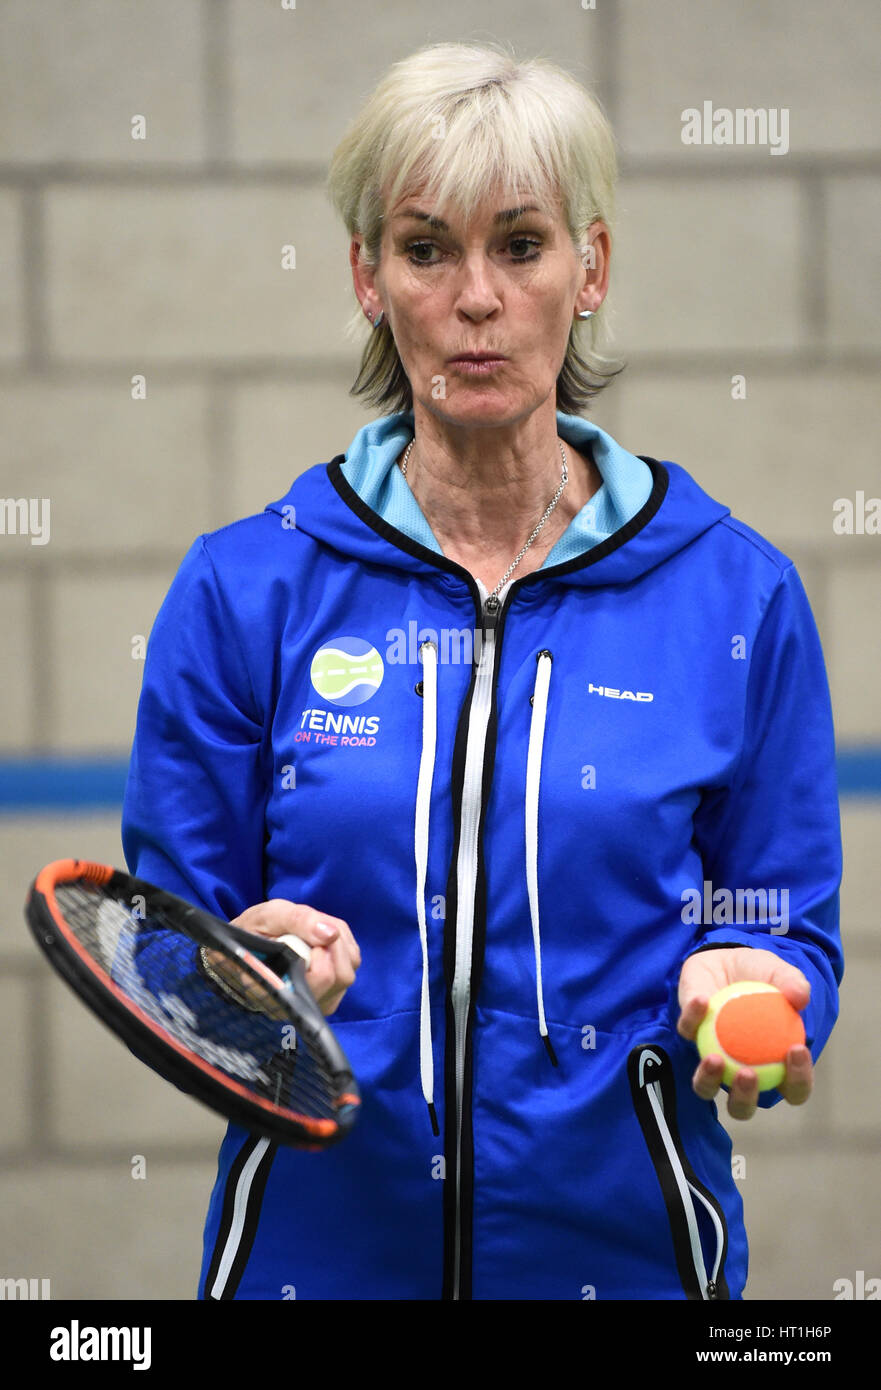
428,654
533,777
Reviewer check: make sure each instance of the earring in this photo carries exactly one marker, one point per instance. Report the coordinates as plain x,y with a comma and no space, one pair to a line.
586,313
378,320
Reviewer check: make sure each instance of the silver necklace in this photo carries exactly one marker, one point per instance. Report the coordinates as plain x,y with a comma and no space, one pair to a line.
492,599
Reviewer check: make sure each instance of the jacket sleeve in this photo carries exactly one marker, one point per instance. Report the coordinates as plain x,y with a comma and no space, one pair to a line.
195,796
777,825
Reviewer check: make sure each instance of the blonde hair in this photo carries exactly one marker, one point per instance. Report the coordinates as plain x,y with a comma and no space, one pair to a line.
456,119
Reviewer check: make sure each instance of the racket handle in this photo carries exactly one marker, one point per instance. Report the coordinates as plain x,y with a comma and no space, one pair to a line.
297,944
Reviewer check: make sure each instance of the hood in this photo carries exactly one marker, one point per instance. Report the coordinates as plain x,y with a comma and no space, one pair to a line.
338,504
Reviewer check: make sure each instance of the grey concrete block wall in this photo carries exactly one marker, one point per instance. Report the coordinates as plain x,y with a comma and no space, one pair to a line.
819,62
779,457
151,1245
73,76
214,303
853,211
670,296
12,290
158,264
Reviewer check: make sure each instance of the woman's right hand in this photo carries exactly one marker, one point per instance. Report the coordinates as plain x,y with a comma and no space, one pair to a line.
335,954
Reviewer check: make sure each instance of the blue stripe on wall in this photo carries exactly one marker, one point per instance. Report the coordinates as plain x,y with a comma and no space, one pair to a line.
56,783
859,771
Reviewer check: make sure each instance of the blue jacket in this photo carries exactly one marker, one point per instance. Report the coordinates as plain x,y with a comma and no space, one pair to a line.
529,818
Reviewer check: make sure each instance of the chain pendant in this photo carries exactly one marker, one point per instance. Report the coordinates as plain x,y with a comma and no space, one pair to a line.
491,606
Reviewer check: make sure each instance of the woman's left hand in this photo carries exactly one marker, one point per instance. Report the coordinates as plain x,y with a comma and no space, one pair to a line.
708,971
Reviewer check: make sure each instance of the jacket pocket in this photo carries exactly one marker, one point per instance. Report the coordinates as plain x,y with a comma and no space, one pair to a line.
688,1202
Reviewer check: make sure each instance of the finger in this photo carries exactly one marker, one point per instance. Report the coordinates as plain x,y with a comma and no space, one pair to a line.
743,1095
343,963
692,1014
343,933
791,982
335,955
703,974
225,966
320,929
269,918
299,919
246,990
283,920
343,976
321,974
708,1077
334,936
281,917
331,1002
351,944
799,1081
229,969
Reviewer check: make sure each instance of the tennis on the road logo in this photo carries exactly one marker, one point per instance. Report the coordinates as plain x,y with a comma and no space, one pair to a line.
346,671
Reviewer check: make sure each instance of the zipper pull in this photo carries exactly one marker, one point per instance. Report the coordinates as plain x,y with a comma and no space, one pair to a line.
711,1290
491,613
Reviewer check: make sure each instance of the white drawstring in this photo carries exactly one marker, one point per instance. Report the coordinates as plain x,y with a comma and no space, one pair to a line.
428,651
533,776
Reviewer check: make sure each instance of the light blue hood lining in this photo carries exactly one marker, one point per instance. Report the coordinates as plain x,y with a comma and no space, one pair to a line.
369,467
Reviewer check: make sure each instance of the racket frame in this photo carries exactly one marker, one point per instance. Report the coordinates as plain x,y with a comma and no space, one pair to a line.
151,1044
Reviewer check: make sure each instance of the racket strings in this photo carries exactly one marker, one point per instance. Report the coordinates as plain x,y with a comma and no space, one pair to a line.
144,953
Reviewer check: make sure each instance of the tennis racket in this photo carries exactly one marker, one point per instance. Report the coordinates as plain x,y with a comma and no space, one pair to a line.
225,1014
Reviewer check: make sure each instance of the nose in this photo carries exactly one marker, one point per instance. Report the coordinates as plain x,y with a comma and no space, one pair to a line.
477,295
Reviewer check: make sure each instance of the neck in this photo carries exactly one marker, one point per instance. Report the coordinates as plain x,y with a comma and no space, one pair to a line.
483,489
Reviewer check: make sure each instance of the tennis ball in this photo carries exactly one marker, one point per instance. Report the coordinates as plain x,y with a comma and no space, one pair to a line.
751,1025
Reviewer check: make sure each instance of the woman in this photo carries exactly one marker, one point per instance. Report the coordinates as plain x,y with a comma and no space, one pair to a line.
480,709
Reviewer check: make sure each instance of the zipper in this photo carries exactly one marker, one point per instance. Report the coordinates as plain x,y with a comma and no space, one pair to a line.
653,1089
466,875
490,614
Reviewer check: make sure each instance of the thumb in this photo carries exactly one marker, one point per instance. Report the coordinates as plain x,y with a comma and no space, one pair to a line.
280,917
792,982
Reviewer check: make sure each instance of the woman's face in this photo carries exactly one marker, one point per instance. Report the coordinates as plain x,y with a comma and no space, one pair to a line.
510,283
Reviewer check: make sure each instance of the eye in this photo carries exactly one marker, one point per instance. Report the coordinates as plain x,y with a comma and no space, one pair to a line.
417,246
526,241
521,241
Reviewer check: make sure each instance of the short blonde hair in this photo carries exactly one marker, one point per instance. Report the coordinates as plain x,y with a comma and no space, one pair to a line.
455,119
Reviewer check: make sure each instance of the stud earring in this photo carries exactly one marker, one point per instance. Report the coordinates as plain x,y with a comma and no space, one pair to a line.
586,313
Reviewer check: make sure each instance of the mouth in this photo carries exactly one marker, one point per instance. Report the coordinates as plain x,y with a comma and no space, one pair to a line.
479,357
476,364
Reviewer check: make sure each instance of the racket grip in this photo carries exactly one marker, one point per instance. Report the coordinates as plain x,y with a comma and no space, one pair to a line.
297,944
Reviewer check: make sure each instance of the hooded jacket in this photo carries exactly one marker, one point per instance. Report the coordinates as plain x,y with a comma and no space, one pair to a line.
530,813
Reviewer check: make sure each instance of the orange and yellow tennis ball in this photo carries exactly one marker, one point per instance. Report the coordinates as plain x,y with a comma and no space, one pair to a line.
751,1024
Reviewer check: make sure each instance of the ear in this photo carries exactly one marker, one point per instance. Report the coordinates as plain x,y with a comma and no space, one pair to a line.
596,253
364,279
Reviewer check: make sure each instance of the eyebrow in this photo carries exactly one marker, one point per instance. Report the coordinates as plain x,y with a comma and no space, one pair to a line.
509,215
